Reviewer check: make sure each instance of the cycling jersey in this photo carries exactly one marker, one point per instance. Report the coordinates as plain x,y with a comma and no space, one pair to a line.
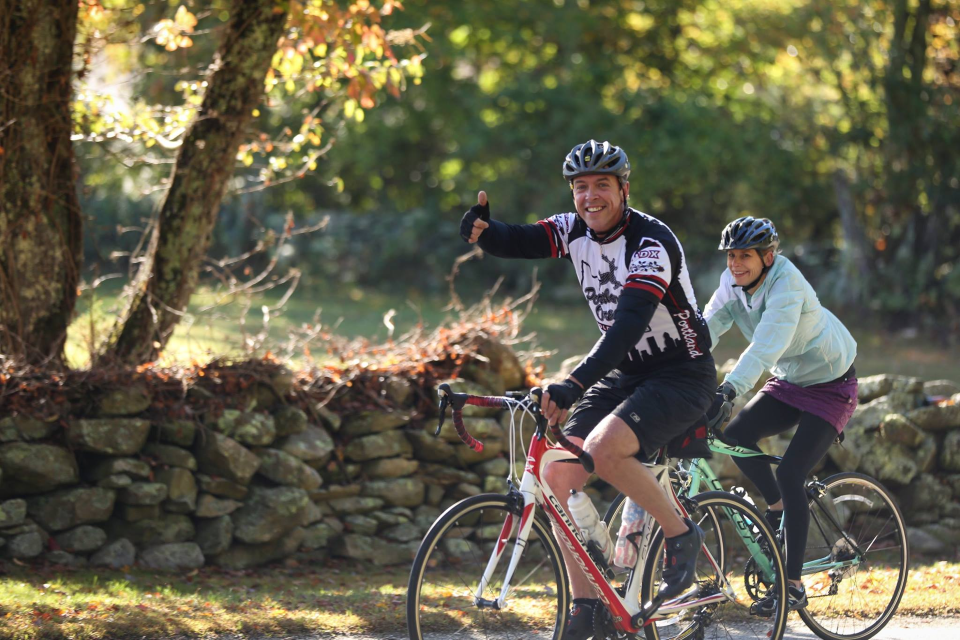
791,335
637,274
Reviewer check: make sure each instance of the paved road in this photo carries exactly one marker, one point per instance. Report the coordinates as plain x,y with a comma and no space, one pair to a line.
900,628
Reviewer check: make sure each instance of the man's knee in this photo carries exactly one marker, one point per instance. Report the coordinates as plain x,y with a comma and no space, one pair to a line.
614,443
563,476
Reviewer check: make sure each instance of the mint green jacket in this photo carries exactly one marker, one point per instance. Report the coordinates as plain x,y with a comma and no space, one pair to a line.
791,335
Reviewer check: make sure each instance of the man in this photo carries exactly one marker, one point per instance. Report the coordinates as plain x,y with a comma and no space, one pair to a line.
649,376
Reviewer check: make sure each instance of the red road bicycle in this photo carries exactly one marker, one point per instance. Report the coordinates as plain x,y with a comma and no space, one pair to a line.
464,583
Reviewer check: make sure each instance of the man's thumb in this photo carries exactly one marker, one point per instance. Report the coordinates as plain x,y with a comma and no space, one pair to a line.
482,198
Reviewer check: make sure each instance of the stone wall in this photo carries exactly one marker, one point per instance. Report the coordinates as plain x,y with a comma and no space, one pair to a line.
276,479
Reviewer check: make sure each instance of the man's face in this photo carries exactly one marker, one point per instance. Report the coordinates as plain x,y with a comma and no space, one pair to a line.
599,201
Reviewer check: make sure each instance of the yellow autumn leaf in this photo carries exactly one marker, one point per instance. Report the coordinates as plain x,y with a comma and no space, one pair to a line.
184,19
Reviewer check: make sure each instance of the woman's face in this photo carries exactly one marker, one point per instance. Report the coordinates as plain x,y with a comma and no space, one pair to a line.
746,265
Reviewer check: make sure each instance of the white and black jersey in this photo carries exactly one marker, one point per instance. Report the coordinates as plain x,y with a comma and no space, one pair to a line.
640,263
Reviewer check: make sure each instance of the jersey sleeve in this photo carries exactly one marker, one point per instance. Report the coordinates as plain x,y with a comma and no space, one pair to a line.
771,338
717,313
650,270
544,239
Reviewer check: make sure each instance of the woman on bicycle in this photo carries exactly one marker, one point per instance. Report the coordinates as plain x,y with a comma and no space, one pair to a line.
810,354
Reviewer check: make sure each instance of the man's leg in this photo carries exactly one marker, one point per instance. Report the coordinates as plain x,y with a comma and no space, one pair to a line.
613,446
562,478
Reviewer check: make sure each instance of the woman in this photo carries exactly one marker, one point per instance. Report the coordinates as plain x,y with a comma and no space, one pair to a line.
809,352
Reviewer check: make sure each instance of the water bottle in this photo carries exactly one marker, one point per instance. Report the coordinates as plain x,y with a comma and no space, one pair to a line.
742,492
631,524
588,521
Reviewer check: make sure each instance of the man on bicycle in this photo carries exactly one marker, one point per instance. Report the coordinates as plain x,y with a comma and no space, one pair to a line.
649,376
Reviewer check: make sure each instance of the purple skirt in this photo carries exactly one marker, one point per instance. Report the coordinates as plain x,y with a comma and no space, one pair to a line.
833,401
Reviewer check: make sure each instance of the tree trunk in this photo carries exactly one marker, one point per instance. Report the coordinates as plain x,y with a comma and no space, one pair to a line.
855,257
40,221
204,165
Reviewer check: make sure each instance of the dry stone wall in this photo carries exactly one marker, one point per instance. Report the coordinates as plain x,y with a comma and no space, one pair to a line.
273,481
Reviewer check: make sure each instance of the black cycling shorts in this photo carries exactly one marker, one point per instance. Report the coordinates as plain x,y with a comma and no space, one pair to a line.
658,407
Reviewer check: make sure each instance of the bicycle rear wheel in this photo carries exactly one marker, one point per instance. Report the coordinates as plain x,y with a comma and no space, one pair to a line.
748,544
857,559
450,563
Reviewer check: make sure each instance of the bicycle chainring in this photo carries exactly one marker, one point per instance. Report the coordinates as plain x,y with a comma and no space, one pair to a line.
603,628
756,586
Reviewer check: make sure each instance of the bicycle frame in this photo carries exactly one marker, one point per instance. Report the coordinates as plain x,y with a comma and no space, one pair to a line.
536,492
701,474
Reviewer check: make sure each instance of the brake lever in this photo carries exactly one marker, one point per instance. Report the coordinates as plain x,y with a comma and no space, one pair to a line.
444,401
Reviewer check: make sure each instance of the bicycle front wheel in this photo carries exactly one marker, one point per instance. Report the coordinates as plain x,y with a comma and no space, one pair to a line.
442,596
856,562
754,569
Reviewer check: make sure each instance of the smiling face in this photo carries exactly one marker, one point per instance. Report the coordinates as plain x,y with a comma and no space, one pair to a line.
599,201
746,265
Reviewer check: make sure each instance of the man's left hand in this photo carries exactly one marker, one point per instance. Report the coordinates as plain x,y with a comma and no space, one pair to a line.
558,399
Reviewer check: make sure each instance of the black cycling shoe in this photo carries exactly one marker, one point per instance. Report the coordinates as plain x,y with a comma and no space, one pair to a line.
767,606
580,625
680,563
773,518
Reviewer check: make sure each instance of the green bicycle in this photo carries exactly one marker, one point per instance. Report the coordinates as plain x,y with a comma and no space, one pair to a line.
857,556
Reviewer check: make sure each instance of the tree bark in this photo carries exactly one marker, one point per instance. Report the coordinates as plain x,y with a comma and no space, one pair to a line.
40,219
855,258
204,165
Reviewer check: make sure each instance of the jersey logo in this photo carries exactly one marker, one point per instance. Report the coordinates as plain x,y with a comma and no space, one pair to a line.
603,296
646,266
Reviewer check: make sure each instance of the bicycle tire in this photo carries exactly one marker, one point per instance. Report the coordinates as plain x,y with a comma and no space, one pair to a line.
454,553
727,618
871,517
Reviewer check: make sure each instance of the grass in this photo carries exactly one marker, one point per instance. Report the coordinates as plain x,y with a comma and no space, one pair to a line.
45,603
566,330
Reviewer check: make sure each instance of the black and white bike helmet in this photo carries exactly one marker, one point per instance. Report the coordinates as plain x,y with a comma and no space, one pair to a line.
594,157
749,233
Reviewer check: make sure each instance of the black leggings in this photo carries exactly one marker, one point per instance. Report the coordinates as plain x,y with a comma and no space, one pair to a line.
763,417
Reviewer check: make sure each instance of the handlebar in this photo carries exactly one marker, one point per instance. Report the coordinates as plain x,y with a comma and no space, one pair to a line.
456,401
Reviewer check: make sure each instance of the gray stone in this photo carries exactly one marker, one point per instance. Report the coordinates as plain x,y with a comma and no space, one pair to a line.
425,515
944,388
65,559
313,444
355,504
126,401
361,525
290,420
936,417
35,468
872,387
926,454
175,556
250,428
222,487
386,519
434,495
24,545
169,527
116,555
218,455
136,512
491,449
504,362
446,474
12,512
473,388
335,491
215,535
924,495
209,506
430,448
171,455
269,513
496,467
480,373
244,556
82,539
404,532
390,468
181,489
8,430
116,466
946,531
896,428
24,427
378,445
143,493
358,547
398,390
482,429
891,464
314,513
110,436
953,481
71,507
330,420
401,492
950,451
463,490
366,422
922,542
118,481
283,468
318,535
177,432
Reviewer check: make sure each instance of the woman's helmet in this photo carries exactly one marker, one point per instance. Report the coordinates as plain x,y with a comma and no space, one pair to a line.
749,233
596,157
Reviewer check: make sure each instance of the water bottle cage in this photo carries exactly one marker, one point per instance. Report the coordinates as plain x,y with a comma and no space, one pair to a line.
593,550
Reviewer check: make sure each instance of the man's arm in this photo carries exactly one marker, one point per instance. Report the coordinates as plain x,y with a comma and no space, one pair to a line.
505,240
